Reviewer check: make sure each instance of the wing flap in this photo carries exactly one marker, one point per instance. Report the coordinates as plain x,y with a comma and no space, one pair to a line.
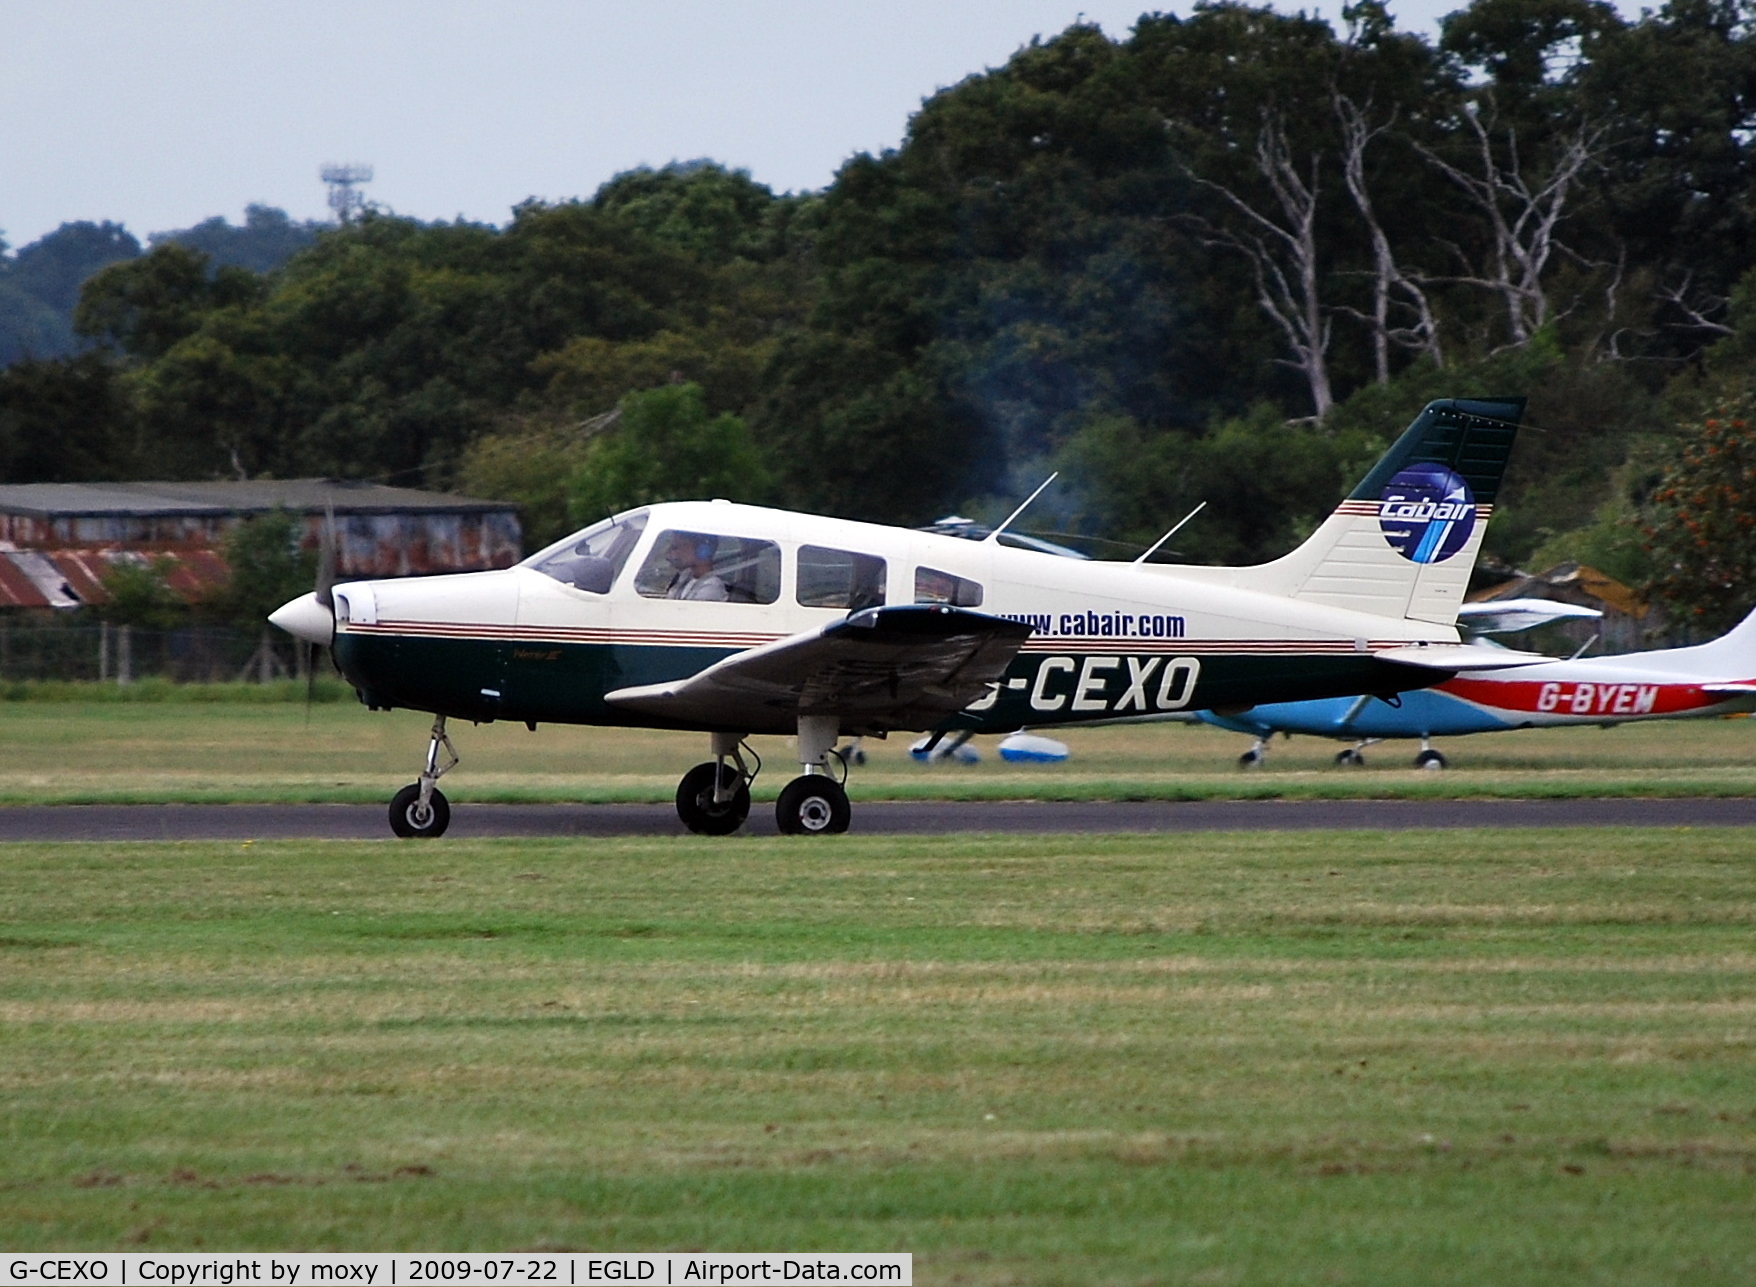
906,667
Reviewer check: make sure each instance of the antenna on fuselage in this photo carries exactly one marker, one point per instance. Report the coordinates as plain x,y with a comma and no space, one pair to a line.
993,537
1153,549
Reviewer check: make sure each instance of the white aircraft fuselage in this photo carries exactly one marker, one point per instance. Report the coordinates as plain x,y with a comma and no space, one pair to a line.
1108,639
735,619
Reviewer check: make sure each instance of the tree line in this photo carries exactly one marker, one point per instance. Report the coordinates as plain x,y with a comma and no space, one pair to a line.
1222,259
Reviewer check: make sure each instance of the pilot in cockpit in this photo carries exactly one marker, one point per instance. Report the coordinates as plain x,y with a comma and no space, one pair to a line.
691,554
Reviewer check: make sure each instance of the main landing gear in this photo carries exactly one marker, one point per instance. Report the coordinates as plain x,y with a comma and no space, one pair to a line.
420,810
814,804
713,799
1429,759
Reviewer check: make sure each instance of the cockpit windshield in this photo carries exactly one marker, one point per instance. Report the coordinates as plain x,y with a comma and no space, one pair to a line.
592,560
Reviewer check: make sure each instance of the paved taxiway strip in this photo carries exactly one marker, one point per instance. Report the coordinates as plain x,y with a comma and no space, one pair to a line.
897,818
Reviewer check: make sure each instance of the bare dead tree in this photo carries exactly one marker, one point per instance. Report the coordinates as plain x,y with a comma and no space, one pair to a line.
1281,246
1390,285
1522,215
1679,298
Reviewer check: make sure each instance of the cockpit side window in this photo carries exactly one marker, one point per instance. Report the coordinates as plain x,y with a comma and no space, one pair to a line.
594,559
839,579
934,586
708,568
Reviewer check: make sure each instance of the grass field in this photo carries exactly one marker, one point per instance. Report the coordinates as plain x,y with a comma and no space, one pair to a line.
1467,1057
90,751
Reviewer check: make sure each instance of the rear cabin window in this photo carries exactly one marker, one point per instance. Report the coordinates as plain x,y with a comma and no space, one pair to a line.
707,568
934,586
839,579
593,560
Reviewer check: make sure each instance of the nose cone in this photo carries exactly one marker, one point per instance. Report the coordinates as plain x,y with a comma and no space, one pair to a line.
305,618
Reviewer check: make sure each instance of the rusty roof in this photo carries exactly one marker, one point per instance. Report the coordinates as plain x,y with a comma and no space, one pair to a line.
257,496
74,578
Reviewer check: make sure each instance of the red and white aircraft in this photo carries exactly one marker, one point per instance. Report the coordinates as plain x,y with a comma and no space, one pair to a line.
1717,678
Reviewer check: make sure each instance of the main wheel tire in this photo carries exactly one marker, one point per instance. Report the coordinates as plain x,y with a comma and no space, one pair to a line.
697,807
408,820
1251,759
1350,759
812,806
1430,759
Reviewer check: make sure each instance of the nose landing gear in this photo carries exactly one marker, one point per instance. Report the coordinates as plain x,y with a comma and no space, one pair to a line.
420,810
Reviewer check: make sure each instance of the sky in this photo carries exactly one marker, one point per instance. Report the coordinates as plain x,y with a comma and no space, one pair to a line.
161,115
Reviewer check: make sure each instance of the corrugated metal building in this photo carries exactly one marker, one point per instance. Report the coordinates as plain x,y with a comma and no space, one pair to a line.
56,539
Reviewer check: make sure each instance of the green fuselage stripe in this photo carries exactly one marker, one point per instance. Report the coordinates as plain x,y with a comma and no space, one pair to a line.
560,683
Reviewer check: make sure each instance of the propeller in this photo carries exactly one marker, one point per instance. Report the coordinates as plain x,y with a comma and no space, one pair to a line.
324,593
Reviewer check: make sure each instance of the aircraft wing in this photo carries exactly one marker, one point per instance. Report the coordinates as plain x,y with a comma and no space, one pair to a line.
905,667
1504,616
1460,657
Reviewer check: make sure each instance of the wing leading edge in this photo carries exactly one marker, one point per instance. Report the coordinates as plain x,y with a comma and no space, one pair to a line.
905,667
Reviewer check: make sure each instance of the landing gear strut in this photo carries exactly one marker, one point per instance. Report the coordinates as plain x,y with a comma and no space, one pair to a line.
1255,756
814,803
420,809
1353,757
1429,758
713,799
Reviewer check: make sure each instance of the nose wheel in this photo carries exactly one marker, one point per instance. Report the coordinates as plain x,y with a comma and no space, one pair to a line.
413,819
420,810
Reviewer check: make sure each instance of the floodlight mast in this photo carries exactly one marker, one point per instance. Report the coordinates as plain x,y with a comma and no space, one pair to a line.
342,181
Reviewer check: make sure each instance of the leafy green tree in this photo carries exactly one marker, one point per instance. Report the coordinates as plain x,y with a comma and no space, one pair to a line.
1267,483
667,447
531,461
40,285
1701,532
701,208
265,241
146,305
268,566
65,421
140,596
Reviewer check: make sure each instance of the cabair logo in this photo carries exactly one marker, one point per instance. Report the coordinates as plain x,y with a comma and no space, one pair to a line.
1426,513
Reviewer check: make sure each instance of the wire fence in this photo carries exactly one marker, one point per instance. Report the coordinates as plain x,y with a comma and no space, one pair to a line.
121,654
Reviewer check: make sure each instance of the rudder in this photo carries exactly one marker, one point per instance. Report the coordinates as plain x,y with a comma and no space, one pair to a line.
1404,542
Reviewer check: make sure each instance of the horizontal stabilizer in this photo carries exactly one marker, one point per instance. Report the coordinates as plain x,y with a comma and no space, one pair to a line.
1507,616
1460,657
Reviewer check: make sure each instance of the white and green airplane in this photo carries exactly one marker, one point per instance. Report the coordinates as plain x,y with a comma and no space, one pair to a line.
736,620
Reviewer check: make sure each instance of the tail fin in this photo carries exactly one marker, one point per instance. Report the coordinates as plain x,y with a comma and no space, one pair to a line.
1731,656
1405,540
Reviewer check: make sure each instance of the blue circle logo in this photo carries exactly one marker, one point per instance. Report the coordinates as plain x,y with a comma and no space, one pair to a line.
1426,513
